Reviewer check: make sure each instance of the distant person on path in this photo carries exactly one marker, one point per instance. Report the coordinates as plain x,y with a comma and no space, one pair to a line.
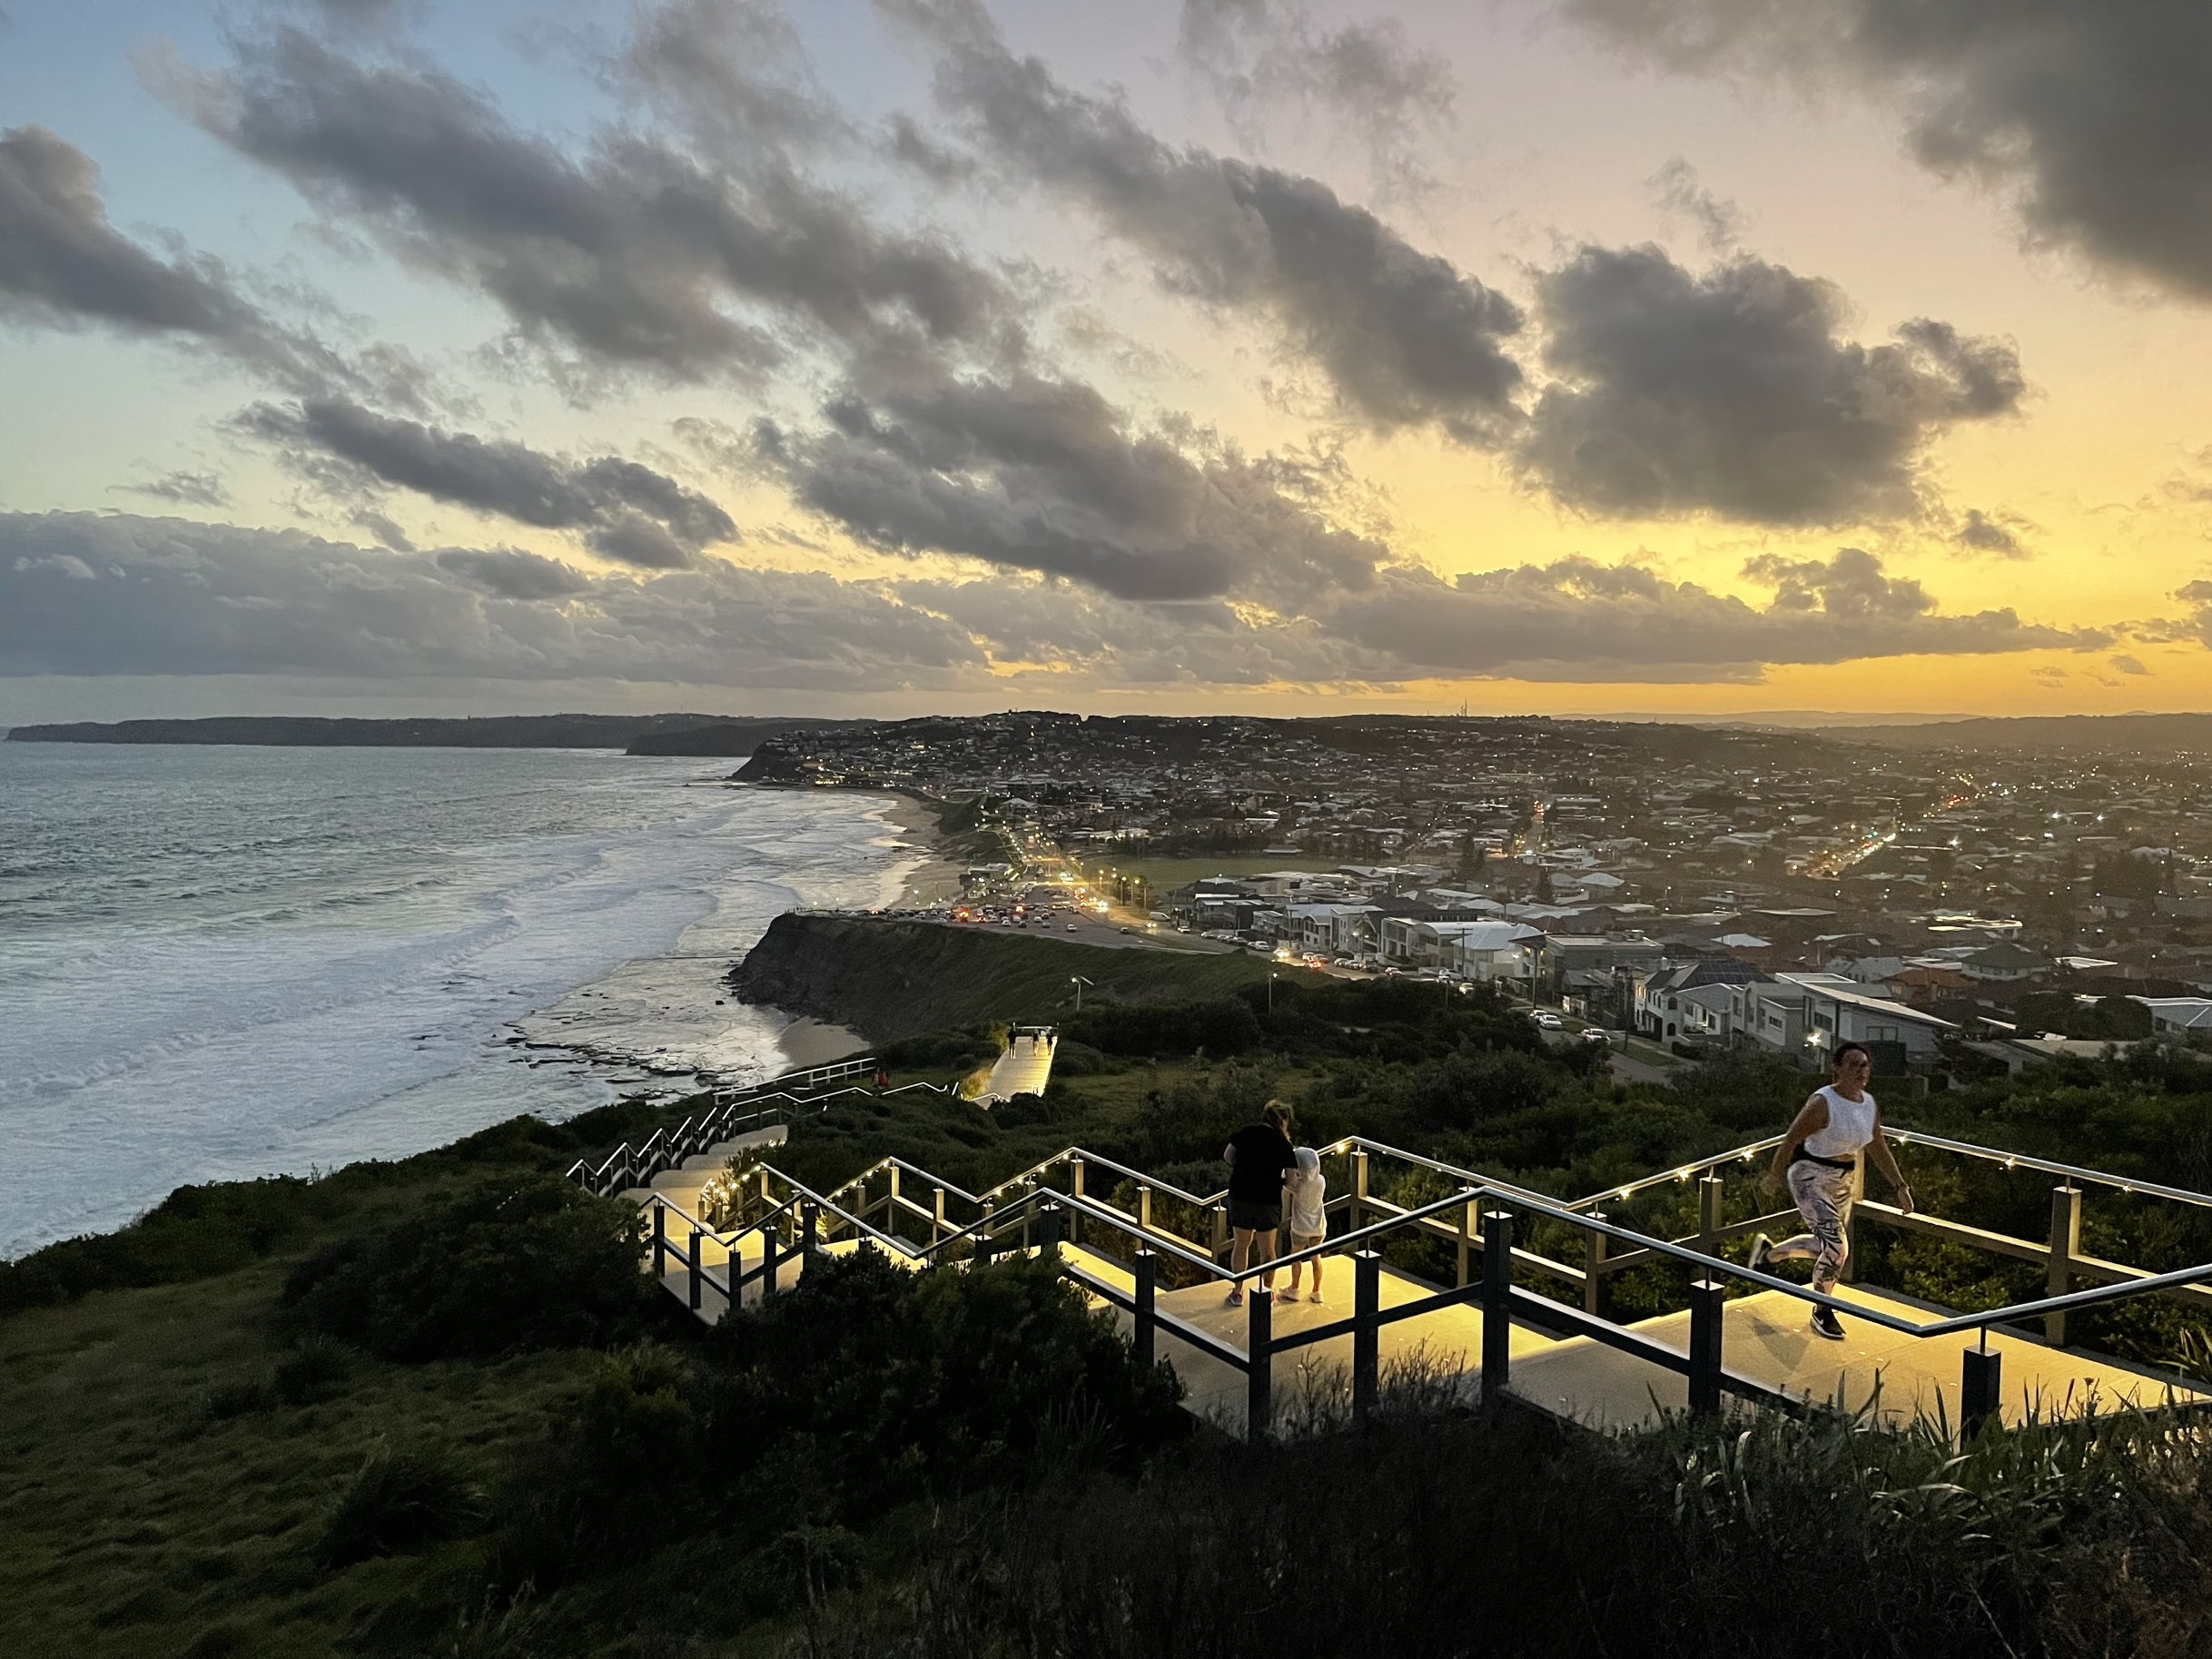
1307,1196
1259,1164
1817,1158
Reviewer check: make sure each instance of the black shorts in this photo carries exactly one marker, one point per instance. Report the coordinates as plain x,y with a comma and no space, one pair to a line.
1255,1218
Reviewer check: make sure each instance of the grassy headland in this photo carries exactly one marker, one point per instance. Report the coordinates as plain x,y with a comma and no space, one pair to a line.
890,979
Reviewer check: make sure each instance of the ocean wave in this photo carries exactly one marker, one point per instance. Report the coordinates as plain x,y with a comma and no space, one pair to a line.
151,1044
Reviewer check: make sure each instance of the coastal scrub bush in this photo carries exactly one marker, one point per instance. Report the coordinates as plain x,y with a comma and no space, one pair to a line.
911,1383
194,1233
512,1262
396,1502
1219,1025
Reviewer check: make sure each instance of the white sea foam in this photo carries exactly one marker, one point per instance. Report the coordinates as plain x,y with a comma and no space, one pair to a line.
187,1008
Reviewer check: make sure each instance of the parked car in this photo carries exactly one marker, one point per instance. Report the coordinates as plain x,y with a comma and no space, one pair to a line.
1549,1020
1596,1033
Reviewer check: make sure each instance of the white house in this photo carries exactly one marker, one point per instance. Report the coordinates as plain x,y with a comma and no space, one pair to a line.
1839,1010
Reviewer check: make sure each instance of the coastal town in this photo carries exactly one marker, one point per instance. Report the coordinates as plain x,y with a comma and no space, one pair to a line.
1680,891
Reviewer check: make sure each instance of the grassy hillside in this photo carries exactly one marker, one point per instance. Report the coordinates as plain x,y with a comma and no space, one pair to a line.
889,979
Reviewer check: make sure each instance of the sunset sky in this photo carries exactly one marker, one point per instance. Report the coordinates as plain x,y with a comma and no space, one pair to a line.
894,356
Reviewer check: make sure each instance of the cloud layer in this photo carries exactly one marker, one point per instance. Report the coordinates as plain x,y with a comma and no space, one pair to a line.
2093,114
1045,476
637,255
90,594
1736,393
1407,338
624,511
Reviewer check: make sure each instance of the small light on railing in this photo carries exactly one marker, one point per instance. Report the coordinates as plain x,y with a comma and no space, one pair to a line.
2012,1163
2126,1187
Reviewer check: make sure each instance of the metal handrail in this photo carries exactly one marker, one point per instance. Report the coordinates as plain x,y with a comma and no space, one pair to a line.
1682,1172
2179,1195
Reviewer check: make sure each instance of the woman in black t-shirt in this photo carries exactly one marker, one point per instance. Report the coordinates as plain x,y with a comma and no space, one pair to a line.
1260,1160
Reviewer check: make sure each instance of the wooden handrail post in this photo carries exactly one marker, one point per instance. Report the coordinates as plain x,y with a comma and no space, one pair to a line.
2065,1245
892,1203
1706,1299
1980,1389
1259,1366
1594,1266
769,1246
1220,1231
1496,1301
1145,1338
1367,1332
1075,1186
1466,1240
810,1231
660,1240
697,1260
938,1225
1359,1188
1051,1225
1712,1214
1144,1207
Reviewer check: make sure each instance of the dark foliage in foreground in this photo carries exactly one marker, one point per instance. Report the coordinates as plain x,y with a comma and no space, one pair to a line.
867,1387
1501,1534
510,1262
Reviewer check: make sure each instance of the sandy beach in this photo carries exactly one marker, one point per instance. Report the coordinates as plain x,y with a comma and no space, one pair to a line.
814,1043
936,879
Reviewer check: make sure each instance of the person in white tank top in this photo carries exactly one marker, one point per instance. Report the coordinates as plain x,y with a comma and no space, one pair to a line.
1817,1158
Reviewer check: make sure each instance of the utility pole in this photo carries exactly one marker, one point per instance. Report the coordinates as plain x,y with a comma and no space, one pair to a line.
1079,981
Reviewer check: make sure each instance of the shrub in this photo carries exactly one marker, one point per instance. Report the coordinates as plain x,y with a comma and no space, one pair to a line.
314,1370
934,1381
1224,1025
398,1502
515,1262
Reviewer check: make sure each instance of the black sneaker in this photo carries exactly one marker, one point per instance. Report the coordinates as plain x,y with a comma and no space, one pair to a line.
1826,1324
1761,1244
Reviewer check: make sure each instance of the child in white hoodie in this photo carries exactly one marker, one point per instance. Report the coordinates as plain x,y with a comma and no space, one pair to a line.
1305,1195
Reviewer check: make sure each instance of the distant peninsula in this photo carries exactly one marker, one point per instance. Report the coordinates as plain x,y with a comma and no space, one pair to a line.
637,734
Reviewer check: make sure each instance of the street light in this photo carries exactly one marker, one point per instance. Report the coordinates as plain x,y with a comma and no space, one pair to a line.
1079,981
1272,977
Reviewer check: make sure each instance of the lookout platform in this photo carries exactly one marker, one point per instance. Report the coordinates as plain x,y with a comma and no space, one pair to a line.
1496,1321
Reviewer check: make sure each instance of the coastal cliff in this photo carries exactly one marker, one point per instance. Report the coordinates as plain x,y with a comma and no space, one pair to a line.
891,979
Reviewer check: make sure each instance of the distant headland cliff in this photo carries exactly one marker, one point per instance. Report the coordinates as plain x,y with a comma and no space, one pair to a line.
637,733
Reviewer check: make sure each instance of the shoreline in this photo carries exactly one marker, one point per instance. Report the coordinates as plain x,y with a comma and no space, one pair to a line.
934,877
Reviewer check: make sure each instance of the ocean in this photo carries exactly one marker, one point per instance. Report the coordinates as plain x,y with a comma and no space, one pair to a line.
223,963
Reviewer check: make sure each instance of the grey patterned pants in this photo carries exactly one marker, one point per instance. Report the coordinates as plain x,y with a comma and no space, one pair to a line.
1823,1198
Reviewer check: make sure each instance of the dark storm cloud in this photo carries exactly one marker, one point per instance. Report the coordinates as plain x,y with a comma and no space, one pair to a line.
1044,475
1407,338
90,594
637,254
2096,115
1736,393
1267,57
625,511
1575,619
